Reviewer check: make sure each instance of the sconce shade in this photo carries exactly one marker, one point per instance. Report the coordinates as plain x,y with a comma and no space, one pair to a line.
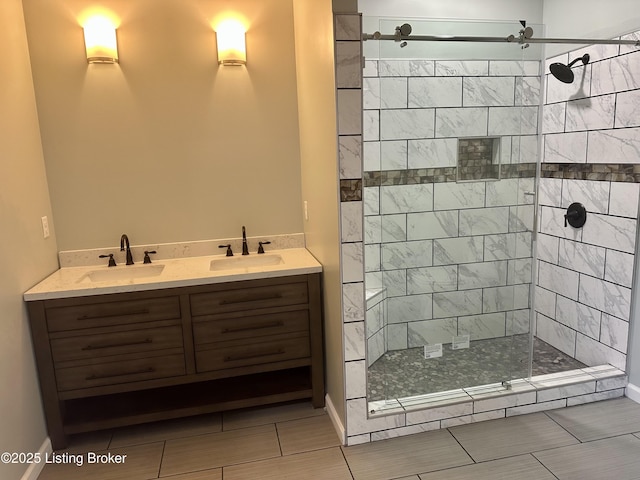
230,37
100,41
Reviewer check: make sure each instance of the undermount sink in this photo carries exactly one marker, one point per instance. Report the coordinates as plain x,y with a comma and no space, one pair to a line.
125,272
245,261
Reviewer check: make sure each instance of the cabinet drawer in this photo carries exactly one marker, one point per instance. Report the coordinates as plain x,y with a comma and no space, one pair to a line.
277,349
248,298
252,326
112,313
114,373
117,343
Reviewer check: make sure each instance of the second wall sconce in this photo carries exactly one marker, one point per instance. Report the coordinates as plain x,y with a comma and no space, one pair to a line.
100,40
230,38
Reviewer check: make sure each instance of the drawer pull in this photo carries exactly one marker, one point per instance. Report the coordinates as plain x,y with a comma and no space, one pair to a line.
256,327
114,345
231,358
123,374
144,311
252,299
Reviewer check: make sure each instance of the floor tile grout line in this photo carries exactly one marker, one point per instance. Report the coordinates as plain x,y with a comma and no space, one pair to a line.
164,446
342,447
560,425
275,425
543,465
461,446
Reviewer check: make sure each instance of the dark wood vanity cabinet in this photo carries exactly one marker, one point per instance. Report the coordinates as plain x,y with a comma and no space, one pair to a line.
119,359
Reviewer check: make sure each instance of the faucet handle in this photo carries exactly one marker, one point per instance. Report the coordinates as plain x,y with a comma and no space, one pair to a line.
228,247
260,244
112,262
147,259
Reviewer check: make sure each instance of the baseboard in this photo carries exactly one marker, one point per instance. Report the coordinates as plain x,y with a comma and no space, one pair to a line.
335,419
633,392
35,469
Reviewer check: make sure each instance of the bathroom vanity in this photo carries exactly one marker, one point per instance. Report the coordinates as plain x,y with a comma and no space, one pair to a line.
193,339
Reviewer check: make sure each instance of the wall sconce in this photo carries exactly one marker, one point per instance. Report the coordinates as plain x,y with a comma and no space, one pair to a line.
100,40
232,49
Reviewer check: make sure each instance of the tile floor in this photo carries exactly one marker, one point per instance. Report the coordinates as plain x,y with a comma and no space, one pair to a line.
594,441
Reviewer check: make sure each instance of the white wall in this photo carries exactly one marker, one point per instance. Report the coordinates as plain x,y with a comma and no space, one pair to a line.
26,257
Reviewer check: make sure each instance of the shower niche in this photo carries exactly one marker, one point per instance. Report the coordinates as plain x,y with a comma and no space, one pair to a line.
478,158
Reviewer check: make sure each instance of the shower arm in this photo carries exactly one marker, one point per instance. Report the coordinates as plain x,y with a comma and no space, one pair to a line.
510,39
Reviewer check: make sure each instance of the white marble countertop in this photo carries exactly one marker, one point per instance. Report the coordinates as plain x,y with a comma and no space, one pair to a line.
170,273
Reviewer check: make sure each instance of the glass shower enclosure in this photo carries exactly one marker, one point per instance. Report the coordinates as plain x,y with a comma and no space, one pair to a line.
451,157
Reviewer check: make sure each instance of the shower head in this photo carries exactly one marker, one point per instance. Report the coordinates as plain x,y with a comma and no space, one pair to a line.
563,72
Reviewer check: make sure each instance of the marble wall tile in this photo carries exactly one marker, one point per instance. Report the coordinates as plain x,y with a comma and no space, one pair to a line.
371,93
376,347
431,153
605,296
395,281
407,254
393,155
375,318
552,223
372,229
514,67
616,75
536,407
397,337
614,146
439,413
353,302
611,232
521,218
450,196
503,192
614,332
582,258
566,147
595,397
406,68
556,393
370,125
528,91
553,116
518,322
348,65
501,299
350,154
461,122
593,195
453,251
476,417
425,92
371,197
481,221
628,109
491,404
429,225
611,384
352,263
590,114
578,316
349,112
358,422
619,268
547,248
592,352
393,228
545,302
524,149
556,334
623,201
406,198
597,52
372,258
480,275
409,309
355,379
354,341
393,92
519,271
455,68
370,68
488,91
402,431
479,327
550,192
371,155
347,27
507,245
513,121
453,304
430,332
432,279
351,214
559,280
407,124
374,279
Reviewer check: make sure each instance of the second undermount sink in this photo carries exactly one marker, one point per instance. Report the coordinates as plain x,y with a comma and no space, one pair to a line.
124,272
245,261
